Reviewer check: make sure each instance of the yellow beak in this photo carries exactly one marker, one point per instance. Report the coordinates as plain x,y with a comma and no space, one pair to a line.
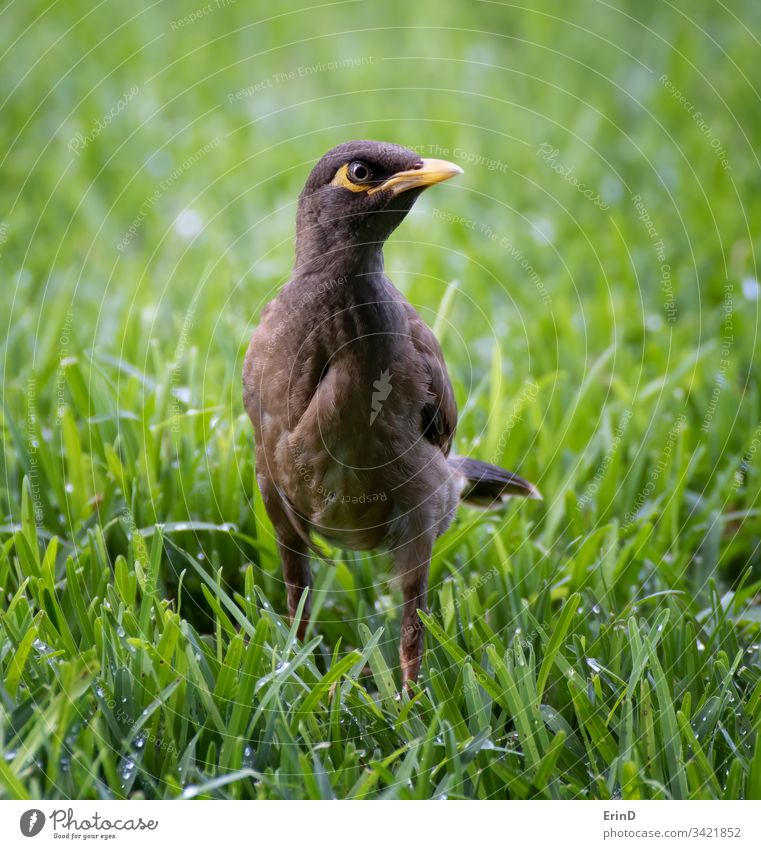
432,171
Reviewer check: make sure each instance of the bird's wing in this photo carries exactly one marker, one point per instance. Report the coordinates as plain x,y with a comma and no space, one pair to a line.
440,412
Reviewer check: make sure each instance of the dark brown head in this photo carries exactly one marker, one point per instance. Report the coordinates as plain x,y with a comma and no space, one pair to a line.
358,193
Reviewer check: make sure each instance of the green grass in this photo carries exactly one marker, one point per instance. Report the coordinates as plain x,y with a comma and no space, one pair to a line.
603,643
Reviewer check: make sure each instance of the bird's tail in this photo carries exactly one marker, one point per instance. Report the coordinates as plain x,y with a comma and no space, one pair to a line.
488,486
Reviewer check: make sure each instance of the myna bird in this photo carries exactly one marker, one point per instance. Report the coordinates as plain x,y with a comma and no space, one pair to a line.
348,391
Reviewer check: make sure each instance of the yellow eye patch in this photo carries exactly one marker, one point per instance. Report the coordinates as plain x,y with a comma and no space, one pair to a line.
342,179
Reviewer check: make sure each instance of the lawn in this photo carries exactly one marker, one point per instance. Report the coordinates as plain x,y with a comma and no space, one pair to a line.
592,278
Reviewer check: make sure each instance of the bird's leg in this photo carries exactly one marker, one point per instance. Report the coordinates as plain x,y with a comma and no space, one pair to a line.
298,577
413,561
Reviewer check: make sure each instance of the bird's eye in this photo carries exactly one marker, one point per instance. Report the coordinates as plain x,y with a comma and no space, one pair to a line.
359,172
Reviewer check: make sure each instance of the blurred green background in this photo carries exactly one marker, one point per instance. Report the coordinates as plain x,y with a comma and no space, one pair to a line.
152,160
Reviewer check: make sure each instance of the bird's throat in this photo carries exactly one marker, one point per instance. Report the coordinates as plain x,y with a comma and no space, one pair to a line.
333,261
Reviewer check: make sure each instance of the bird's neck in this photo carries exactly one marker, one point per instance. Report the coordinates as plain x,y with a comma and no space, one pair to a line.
341,281
352,260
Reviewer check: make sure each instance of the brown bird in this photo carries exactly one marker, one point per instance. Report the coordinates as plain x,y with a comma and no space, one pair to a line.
348,391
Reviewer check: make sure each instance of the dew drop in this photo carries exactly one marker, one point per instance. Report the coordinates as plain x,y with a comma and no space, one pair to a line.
127,770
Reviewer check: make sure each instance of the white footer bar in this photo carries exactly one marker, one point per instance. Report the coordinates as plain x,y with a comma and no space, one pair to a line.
379,825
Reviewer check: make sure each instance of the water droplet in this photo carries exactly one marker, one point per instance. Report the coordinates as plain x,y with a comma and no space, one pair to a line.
751,288
543,231
188,223
654,322
127,770
42,648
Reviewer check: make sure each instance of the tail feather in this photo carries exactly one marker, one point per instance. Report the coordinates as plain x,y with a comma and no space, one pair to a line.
487,486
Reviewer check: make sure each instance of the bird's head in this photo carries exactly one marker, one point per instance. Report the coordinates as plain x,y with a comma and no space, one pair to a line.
358,193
